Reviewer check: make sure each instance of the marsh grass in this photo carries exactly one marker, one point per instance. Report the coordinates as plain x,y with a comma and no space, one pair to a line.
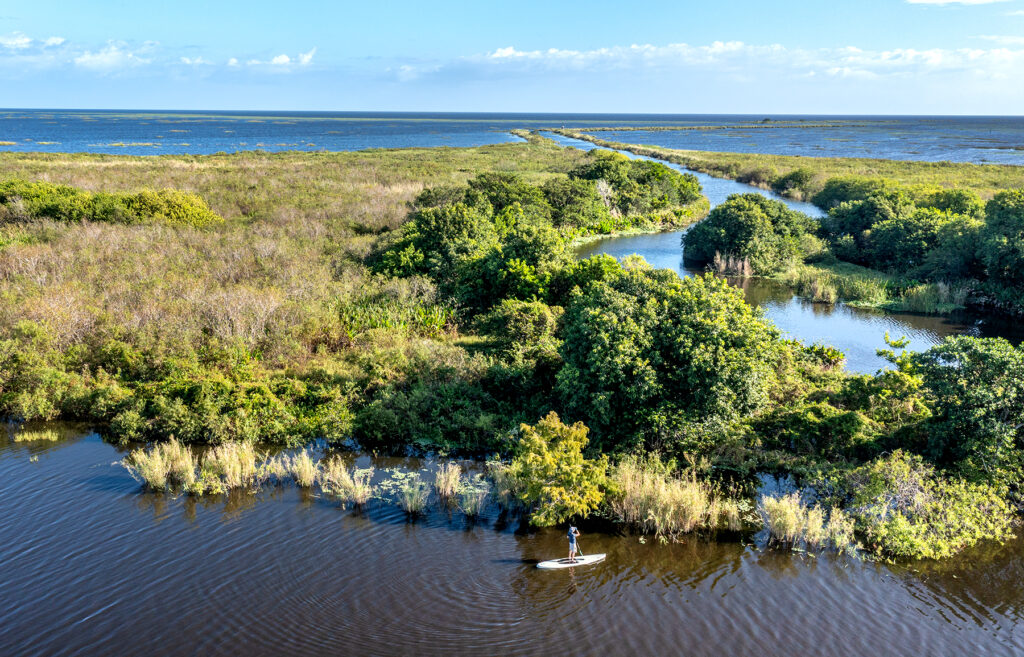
447,482
507,485
230,466
473,495
648,496
43,435
349,486
163,466
303,469
412,496
792,523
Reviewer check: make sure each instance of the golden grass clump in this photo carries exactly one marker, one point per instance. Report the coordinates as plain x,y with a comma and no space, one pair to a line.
447,482
230,465
303,469
348,486
44,435
649,497
791,522
163,466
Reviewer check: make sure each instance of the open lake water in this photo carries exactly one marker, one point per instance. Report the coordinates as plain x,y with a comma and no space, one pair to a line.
89,565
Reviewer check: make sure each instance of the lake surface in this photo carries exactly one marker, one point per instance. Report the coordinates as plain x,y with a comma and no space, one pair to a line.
968,139
982,140
858,332
90,565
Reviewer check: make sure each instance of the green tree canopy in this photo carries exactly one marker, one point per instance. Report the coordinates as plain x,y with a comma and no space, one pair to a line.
749,227
556,481
647,354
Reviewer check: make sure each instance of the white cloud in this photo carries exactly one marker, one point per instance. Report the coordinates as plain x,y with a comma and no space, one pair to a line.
53,42
112,57
282,62
194,61
233,62
306,58
15,41
738,59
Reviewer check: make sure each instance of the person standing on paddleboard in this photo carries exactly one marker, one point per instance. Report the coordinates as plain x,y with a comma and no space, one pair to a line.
573,533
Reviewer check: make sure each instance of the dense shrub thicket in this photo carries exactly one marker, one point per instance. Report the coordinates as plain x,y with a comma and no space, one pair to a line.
26,201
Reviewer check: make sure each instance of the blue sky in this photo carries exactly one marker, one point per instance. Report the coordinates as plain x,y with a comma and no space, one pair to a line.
730,56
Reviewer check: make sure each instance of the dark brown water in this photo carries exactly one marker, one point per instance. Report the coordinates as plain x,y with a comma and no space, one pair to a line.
91,566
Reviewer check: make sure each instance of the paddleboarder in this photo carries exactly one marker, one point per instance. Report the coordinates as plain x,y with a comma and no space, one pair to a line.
573,533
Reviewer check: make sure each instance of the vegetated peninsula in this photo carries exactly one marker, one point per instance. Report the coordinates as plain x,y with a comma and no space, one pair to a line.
429,299
926,237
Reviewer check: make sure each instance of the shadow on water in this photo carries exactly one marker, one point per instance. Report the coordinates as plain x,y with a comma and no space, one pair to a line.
89,564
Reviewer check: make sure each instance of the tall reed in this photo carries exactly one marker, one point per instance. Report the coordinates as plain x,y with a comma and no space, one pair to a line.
412,496
303,469
348,486
790,522
649,497
447,482
162,466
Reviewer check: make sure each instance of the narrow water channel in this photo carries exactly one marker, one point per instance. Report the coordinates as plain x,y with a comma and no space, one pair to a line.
858,332
91,566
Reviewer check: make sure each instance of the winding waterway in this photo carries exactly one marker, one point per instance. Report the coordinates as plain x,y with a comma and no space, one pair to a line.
858,332
89,565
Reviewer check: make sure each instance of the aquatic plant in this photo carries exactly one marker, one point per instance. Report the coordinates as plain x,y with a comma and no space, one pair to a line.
473,494
163,465
792,523
412,496
349,486
447,481
303,469
229,466
43,435
647,495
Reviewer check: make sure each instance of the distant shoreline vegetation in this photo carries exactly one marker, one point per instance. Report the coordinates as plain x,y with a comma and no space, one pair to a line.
931,245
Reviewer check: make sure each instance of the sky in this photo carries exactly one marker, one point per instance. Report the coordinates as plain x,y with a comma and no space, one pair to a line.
726,56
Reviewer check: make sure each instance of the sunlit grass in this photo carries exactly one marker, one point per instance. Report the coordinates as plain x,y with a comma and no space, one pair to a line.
44,435
349,486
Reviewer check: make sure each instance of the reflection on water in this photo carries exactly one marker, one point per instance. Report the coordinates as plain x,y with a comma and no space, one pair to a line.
89,565
859,333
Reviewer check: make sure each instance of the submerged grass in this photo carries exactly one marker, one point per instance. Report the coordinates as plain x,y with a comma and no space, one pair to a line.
303,469
44,435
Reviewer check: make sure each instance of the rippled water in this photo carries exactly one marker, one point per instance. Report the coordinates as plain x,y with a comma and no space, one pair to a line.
89,565
858,332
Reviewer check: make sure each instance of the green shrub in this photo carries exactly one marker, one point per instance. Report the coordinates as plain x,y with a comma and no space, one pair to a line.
23,201
905,510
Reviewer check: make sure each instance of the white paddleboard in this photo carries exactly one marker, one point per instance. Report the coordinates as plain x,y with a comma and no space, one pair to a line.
565,563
